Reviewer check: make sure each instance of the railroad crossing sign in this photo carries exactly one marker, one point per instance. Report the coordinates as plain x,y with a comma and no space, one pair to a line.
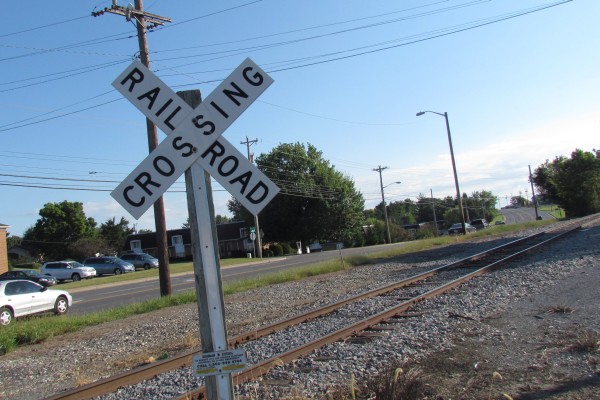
194,136
194,143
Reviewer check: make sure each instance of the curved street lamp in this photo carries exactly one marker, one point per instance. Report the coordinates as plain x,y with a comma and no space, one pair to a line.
460,206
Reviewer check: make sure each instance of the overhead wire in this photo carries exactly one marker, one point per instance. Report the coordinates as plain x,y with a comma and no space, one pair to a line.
506,17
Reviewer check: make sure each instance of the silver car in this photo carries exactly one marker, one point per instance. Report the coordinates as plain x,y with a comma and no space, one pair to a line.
67,271
141,260
108,265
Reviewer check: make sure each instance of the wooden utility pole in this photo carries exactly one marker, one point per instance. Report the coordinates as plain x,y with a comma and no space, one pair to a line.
258,242
142,19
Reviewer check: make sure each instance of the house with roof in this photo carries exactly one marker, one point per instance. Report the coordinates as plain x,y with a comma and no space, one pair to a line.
3,248
233,239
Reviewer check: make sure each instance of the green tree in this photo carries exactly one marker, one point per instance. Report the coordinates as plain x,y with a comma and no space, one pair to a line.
451,216
115,234
222,219
59,225
316,202
573,183
13,241
402,212
88,247
425,209
482,205
374,232
219,219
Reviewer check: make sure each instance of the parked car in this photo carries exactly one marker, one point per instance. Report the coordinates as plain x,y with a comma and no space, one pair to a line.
141,260
480,224
67,270
499,222
29,275
457,228
108,265
20,297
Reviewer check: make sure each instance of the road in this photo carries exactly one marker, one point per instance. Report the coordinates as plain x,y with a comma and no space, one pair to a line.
99,298
522,214
110,296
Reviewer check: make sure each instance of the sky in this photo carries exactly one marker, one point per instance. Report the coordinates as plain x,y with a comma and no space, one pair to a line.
518,78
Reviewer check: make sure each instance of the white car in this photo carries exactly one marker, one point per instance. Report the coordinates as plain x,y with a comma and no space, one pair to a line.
67,270
20,297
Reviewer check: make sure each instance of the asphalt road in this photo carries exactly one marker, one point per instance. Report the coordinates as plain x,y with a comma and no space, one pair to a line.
522,214
99,298
104,297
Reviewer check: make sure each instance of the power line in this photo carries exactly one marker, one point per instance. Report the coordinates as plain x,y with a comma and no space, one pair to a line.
43,26
489,21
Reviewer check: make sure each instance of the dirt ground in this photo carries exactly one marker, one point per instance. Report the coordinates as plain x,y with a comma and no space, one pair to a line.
545,346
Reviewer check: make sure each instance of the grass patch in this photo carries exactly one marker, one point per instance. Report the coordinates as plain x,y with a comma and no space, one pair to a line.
36,329
325,267
553,210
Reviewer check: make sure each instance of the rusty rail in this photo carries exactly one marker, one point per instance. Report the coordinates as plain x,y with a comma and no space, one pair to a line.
108,385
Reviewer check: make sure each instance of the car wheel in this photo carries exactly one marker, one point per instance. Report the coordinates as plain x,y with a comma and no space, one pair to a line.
117,271
6,316
146,266
61,305
76,277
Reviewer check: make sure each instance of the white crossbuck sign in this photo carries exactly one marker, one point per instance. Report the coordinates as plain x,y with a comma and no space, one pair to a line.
193,136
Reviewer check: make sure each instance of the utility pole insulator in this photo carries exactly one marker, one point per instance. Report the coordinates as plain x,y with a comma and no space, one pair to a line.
129,12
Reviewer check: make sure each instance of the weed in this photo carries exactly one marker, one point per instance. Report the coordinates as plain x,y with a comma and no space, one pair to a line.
560,309
586,341
395,384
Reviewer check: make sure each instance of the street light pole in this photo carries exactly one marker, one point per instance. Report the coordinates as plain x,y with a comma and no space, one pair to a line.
460,206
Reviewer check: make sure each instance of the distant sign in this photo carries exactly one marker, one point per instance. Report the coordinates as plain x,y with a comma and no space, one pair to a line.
220,362
194,136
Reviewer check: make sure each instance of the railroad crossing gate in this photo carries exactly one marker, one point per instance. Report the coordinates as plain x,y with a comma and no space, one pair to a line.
193,136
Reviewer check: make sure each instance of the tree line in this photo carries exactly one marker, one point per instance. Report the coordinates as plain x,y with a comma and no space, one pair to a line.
317,203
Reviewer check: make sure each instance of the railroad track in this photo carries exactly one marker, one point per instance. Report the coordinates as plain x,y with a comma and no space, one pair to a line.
401,296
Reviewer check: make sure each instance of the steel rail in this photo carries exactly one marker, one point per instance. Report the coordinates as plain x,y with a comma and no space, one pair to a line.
107,385
263,367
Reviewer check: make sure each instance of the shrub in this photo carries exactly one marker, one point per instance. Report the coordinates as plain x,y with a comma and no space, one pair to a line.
287,249
276,249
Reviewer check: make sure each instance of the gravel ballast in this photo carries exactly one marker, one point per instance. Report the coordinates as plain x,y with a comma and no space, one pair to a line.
498,321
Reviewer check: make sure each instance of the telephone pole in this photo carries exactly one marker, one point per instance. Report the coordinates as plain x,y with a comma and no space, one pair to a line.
434,217
537,215
258,243
387,226
146,21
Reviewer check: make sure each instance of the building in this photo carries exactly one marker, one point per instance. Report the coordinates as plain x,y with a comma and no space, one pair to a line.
3,249
233,242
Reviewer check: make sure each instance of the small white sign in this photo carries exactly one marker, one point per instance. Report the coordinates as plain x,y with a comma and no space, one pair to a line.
220,362
193,135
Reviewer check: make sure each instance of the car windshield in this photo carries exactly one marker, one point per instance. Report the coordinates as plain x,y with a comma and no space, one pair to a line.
31,273
75,264
457,226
